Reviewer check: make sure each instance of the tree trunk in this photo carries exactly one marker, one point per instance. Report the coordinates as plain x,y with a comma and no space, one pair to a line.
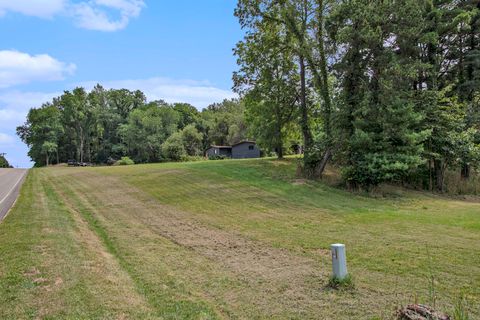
46,156
325,92
324,89
430,173
82,139
280,151
278,129
309,164
465,171
307,135
439,174
323,164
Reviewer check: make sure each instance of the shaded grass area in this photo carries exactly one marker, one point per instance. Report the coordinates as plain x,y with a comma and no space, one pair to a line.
126,242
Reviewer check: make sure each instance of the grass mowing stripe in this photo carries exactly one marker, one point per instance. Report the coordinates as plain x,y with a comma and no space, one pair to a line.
97,298
177,309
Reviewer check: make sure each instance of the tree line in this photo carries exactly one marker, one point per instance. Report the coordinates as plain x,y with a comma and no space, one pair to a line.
387,90
102,125
3,161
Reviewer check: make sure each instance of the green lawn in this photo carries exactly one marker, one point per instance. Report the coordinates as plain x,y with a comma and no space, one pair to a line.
241,239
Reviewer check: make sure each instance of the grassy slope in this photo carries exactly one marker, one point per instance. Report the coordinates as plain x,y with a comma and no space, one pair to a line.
226,239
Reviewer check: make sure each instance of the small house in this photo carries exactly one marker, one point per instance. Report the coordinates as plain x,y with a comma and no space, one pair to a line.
245,149
241,150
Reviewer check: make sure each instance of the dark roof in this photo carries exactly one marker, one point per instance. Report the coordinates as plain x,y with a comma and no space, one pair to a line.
229,147
220,147
244,141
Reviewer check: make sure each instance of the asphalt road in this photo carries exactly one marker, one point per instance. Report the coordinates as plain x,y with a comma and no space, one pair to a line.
10,182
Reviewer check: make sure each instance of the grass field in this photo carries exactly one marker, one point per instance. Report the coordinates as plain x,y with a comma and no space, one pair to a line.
228,239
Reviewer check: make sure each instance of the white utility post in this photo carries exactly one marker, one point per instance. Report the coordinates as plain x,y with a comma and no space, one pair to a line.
339,261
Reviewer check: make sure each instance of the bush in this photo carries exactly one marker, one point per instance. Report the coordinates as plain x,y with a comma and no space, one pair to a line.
193,158
124,161
372,169
341,284
173,149
192,140
111,161
217,157
456,185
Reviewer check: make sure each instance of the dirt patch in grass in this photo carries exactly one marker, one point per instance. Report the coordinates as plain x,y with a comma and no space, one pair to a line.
299,182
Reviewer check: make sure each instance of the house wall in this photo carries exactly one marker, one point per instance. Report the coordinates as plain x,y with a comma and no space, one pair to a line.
242,151
213,151
226,152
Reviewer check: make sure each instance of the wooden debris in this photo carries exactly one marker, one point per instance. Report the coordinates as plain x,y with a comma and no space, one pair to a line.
420,312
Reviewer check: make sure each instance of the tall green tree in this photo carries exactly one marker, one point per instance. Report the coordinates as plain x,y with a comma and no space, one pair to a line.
268,81
3,161
41,131
379,124
146,130
224,123
305,21
78,115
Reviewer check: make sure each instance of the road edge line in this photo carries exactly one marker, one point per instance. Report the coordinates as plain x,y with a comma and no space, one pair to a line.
14,202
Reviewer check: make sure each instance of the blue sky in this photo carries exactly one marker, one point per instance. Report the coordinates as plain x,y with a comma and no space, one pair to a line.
176,50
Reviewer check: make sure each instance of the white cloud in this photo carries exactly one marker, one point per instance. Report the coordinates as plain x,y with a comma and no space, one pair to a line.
19,68
20,100
14,106
101,15
198,93
37,8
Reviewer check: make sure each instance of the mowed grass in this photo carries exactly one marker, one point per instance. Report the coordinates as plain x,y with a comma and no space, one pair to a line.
240,239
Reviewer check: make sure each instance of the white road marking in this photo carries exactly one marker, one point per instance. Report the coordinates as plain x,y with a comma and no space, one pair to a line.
13,188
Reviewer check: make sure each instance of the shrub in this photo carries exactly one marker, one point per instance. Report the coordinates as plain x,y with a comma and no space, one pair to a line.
341,284
124,161
456,185
111,161
193,158
217,157
173,149
192,140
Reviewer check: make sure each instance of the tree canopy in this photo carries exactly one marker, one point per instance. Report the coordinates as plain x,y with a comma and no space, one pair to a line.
110,124
386,90
3,161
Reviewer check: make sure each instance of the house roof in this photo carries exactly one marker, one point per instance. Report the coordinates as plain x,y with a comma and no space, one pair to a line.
229,147
220,147
244,141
